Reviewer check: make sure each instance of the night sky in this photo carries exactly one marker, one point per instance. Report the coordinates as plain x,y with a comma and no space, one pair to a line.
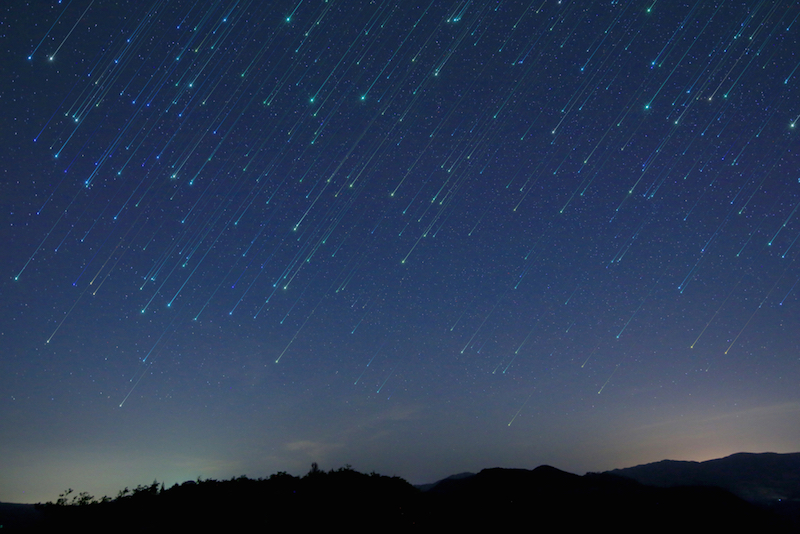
419,238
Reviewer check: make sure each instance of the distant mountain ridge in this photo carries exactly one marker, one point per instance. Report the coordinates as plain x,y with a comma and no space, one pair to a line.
769,479
755,477
430,486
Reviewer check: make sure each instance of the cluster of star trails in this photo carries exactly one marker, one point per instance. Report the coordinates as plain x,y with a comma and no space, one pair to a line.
517,186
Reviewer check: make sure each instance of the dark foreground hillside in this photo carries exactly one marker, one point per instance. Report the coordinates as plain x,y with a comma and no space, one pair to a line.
518,499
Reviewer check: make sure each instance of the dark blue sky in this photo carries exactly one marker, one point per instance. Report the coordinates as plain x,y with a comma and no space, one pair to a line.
418,238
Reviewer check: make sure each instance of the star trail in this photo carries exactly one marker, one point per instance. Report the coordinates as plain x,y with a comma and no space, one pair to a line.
243,236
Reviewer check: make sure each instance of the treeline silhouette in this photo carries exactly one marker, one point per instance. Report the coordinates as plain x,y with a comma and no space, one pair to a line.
542,499
318,499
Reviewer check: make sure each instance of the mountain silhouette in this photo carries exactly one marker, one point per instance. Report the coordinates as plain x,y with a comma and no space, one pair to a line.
769,480
552,499
737,493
